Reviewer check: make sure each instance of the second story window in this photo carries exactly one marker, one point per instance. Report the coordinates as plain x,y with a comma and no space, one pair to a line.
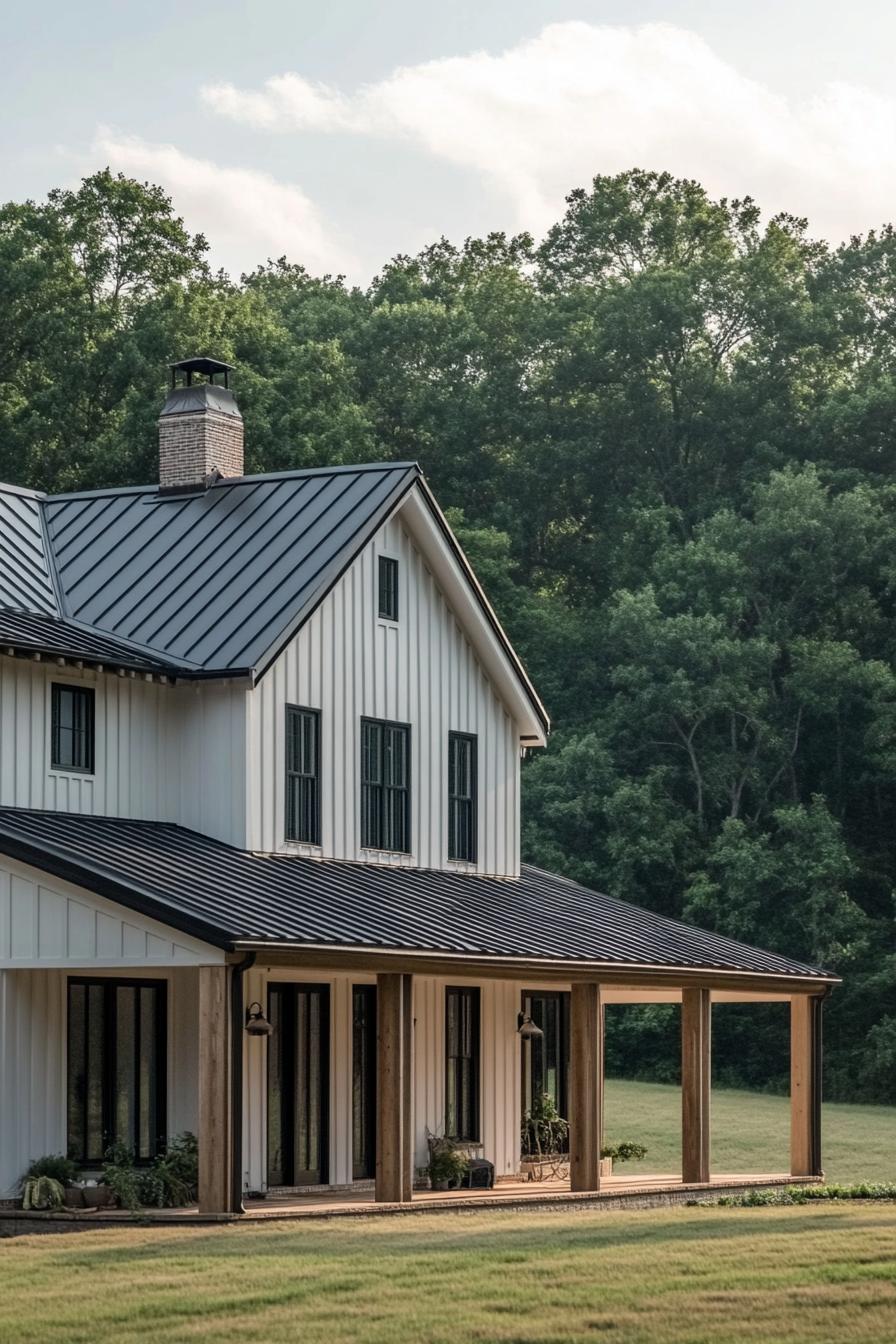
462,797
72,728
388,588
303,775
385,785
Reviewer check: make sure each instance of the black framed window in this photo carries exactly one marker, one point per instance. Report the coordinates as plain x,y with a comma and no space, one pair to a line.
363,1081
303,774
388,588
116,1067
462,766
462,1063
72,728
385,785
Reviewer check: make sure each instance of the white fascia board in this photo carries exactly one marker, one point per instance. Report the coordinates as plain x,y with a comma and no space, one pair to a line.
454,574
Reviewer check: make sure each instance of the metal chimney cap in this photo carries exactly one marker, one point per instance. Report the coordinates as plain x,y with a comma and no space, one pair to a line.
200,364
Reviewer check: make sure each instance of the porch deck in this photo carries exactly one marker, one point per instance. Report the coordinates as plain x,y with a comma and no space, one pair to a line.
616,1192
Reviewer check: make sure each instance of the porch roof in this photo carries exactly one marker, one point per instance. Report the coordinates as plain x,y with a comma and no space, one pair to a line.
235,899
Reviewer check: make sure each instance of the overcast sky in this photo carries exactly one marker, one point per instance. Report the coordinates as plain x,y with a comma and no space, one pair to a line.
344,131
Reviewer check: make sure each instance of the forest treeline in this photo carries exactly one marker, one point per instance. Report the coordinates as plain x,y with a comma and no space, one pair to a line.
666,436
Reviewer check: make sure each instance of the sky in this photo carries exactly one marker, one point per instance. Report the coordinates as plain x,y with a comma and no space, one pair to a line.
342,132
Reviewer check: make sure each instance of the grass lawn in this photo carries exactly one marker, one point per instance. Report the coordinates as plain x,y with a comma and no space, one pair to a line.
750,1132
719,1276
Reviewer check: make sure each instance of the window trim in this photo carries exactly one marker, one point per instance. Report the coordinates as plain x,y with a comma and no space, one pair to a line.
474,992
473,856
385,849
89,693
382,562
109,985
288,774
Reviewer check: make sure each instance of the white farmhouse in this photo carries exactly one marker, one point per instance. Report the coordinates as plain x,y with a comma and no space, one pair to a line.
260,743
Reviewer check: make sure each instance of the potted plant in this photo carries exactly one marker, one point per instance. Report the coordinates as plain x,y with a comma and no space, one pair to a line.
448,1164
620,1152
544,1140
47,1182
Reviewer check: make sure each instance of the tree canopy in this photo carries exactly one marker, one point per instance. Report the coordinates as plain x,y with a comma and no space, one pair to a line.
666,436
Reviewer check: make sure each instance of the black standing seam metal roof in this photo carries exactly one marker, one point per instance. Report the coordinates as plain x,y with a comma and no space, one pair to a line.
25,632
227,896
213,580
25,567
213,583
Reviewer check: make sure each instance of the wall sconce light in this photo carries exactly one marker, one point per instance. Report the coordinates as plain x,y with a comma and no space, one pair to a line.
528,1030
256,1022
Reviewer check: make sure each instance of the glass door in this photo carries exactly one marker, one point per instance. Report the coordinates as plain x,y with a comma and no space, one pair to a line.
298,1084
546,1058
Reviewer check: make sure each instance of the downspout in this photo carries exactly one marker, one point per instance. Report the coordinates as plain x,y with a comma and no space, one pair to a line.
237,1025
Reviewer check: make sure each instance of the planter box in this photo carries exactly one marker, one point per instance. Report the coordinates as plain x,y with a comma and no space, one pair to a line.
98,1197
74,1197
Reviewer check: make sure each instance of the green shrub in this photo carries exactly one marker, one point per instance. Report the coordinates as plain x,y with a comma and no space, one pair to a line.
625,1152
545,1133
804,1194
61,1168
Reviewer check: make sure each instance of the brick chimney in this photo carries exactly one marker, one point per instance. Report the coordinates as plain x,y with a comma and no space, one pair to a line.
200,428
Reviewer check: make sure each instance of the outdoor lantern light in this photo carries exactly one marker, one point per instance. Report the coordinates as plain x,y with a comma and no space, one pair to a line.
527,1028
256,1022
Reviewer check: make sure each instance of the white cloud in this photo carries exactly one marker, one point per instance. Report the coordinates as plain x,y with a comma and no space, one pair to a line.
247,215
580,99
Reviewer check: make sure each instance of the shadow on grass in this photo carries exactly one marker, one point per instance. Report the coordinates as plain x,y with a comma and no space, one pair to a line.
514,1243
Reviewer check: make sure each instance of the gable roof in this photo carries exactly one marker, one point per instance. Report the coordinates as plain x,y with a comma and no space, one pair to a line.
233,899
208,584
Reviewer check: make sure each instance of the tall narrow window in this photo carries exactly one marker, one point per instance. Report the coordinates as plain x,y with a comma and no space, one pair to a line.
462,797
385,785
116,1067
303,774
388,588
462,1064
71,733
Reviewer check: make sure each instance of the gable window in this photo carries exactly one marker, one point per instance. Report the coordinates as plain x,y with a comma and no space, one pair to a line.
388,588
116,1067
462,1064
72,728
385,785
462,796
303,774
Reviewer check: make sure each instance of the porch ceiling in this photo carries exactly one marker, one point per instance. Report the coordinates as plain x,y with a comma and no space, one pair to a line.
283,903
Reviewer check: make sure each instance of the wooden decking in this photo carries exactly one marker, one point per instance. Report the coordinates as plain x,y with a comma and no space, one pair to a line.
616,1192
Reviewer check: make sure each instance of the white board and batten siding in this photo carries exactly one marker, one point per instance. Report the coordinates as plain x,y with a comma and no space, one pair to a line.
421,670
162,753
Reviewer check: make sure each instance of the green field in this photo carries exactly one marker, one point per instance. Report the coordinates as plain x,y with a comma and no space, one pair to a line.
701,1275
750,1132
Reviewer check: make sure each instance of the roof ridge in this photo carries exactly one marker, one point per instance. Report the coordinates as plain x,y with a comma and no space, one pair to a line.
224,482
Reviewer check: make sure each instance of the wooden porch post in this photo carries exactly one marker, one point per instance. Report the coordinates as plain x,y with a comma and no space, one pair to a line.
585,1084
805,1085
214,1090
394,1128
696,1016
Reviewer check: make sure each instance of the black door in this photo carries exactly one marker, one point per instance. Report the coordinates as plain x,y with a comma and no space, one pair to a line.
298,1084
546,1058
363,1082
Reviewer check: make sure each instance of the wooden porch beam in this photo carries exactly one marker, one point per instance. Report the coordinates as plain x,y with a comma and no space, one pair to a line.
585,1086
214,1136
805,1085
696,1017
394,1102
